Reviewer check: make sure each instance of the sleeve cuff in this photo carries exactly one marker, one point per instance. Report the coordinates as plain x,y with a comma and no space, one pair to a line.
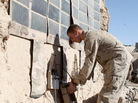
77,81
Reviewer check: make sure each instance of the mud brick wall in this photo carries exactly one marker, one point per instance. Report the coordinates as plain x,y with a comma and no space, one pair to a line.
33,28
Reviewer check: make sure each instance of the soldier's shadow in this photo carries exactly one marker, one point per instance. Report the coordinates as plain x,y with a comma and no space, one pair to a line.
58,65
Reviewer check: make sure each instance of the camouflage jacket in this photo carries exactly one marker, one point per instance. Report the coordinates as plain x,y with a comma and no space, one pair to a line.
102,47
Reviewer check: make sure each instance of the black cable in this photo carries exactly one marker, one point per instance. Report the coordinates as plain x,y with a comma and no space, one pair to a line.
130,98
134,89
65,70
69,75
134,92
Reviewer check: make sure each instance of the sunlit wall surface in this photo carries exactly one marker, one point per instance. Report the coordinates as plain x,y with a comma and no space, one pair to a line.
49,19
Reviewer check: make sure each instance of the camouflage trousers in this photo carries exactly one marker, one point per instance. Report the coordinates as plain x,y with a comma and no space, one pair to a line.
114,80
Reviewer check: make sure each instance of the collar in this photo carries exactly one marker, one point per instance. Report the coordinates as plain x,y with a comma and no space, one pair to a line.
85,33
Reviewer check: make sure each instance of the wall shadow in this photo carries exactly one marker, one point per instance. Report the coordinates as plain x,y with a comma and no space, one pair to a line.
58,66
92,99
135,64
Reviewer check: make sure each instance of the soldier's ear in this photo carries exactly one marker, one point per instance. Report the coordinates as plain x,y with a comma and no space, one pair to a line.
75,31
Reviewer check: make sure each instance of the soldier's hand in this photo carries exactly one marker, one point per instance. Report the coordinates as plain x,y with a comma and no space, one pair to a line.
71,88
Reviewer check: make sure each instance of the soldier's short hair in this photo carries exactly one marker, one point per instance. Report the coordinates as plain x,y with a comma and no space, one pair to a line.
73,27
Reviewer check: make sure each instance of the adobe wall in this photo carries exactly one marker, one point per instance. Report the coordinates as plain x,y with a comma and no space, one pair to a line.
16,65
15,77
4,32
104,16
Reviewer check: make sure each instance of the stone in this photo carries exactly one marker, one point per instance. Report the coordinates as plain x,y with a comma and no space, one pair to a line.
4,31
104,16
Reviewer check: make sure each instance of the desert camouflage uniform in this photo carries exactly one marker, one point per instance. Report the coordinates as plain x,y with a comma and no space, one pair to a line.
104,48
